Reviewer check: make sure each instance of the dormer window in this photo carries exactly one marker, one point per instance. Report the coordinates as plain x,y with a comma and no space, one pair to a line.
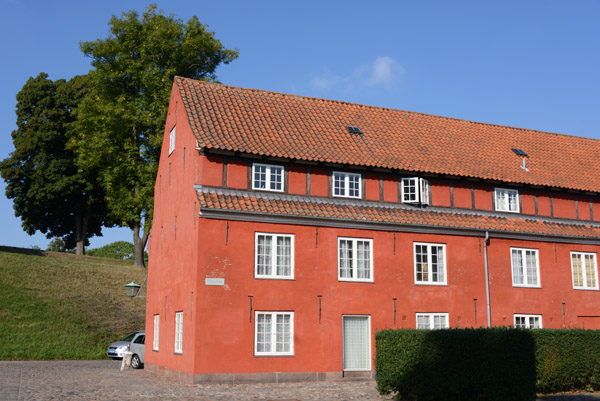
267,177
415,190
506,200
346,185
172,141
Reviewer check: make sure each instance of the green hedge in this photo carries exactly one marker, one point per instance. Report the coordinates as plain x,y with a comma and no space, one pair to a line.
567,360
458,364
486,364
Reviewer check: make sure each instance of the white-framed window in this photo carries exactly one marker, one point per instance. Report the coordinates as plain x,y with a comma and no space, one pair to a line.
415,190
274,256
267,177
506,200
346,185
528,321
172,141
432,321
355,259
179,332
525,267
156,331
585,270
273,333
430,263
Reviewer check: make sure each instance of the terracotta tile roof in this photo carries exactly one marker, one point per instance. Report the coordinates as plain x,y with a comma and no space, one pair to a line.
233,201
302,128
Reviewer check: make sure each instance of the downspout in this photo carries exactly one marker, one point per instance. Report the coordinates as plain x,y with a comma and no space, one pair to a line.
487,279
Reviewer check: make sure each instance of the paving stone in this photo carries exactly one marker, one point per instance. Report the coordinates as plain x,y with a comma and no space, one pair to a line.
103,380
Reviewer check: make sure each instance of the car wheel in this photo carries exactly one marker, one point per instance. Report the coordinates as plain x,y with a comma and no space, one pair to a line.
135,362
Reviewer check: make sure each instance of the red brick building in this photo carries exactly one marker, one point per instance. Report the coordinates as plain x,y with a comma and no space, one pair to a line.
288,230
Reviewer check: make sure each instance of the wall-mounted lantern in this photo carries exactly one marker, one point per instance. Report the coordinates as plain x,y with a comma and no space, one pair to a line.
132,289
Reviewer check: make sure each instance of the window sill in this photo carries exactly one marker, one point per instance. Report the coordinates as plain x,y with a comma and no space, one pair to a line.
278,191
177,353
527,286
432,284
275,278
346,280
585,289
273,355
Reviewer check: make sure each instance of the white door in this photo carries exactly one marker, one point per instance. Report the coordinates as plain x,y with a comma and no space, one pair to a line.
357,342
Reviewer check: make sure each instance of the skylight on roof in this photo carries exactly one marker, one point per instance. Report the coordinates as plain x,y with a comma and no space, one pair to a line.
520,152
354,130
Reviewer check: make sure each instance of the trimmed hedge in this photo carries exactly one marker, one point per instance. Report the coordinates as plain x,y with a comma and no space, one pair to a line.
495,364
486,364
567,360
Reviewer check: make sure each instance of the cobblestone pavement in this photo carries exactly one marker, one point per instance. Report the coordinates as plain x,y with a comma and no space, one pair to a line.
103,380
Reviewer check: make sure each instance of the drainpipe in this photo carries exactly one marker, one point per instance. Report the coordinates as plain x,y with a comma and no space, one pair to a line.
487,279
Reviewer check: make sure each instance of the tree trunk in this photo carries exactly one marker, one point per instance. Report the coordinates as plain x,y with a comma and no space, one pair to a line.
139,244
81,226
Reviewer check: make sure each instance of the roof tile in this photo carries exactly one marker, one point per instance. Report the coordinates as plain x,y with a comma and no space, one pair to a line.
302,128
218,200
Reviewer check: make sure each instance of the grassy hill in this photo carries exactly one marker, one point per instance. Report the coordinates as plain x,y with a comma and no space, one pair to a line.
63,306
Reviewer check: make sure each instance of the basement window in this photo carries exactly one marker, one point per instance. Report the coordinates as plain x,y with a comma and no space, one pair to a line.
432,321
528,321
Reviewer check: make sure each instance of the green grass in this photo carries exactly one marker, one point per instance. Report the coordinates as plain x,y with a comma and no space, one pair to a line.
63,306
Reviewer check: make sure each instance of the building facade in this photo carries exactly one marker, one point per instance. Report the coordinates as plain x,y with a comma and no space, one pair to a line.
288,230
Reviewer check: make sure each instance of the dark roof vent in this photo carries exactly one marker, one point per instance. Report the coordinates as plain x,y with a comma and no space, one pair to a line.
520,152
354,130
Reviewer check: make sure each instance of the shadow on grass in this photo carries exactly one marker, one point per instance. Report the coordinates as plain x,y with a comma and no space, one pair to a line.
570,397
22,251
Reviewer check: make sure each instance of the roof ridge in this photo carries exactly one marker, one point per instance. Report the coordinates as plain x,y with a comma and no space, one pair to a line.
265,91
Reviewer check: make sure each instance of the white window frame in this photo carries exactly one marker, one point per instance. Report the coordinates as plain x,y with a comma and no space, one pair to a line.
526,282
429,273
273,256
431,317
178,332
354,259
271,171
502,200
345,179
172,140
419,195
273,333
584,273
530,321
155,339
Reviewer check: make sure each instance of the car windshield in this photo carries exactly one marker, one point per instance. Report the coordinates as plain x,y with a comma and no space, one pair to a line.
128,337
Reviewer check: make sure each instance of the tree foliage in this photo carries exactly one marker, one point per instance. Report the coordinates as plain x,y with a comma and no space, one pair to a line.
50,193
120,127
116,250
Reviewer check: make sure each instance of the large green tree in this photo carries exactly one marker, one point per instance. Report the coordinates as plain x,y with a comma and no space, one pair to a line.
120,127
50,193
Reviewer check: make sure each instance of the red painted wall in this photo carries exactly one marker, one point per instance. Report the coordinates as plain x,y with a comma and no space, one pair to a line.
218,332
462,196
440,193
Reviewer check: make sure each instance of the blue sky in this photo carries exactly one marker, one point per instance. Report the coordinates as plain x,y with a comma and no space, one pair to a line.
532,64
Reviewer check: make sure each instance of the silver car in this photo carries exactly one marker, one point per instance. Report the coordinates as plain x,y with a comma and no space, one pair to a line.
134,343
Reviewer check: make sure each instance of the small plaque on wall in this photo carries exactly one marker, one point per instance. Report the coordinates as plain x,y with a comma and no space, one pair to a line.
214,281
